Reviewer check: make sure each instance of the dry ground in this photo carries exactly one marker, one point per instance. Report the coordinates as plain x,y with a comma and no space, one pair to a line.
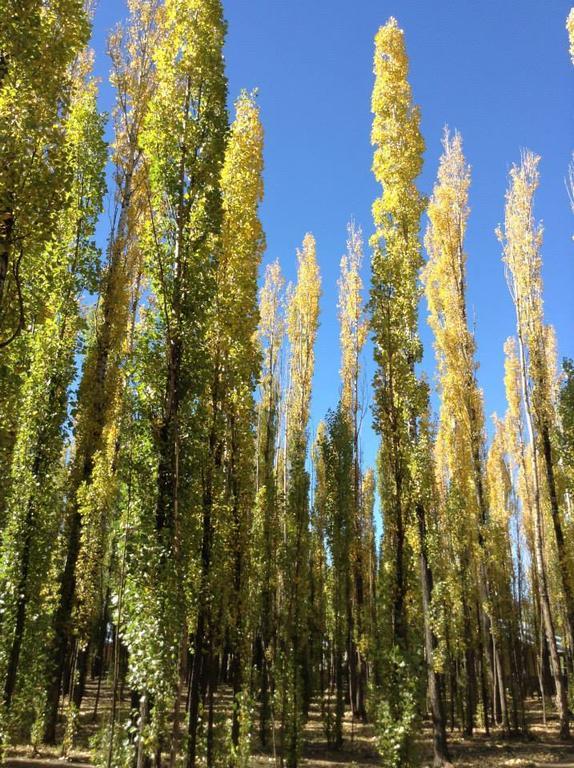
542,750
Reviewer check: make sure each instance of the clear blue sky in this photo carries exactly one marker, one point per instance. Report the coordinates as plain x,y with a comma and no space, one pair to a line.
497,70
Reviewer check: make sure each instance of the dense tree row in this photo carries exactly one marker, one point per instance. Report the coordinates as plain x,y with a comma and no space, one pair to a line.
172,534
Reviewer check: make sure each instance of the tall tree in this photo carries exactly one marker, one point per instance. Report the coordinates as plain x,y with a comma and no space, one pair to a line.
237,362
92,489
39,42
335,448
521,240
29,561
394,300
353,334
427,543
38,45
266,522
302,323
502,575
399,396
461,429
183,142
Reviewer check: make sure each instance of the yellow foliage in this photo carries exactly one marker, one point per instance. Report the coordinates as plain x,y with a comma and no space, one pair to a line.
353,325
460,439
570,29
302,324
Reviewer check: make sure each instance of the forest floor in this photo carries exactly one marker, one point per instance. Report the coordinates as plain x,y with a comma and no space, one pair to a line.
542,749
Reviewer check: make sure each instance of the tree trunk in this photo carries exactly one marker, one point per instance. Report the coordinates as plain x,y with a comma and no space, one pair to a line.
440,745
484,635
470,673
62,629
6,227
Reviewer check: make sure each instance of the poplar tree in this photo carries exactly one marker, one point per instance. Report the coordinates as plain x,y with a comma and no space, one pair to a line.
502,574
370,569
353,334
183,144
461,427
399,397
394,299
335,446
237,360
521,240
520,464
302,323
427,546
39,42
267,514
165,529
566,433
29,559
92,488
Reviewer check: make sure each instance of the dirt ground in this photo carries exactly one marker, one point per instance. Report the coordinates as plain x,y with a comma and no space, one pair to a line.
542,749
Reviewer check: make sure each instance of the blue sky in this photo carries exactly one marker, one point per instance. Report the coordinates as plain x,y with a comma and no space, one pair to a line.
497,70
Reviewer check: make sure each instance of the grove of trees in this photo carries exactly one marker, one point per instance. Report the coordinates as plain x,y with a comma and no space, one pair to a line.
174,539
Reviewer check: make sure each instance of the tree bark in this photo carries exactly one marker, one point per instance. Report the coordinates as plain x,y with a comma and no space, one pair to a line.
440,745
6,228
62,629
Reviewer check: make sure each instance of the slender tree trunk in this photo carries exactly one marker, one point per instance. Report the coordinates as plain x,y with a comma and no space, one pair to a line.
453,696
177,703
358,668
241,559
142,760
6,227
470,674
22,603
487,653
79,685
266,598
62,629
264,708
501,692
211,682
516,681
196,683
440,745
99,661
340,699
237,665
200,668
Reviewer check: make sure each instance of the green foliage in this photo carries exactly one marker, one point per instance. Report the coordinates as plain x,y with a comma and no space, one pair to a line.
115,751
397,712
566,414
335,501
29,560
240,753
157,499
72,716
